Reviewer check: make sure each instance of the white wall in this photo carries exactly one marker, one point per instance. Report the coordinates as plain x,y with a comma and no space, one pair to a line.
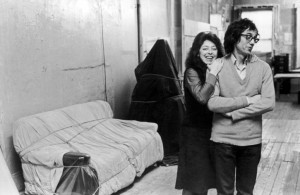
121,50
121,42
51,56
54,53
155,23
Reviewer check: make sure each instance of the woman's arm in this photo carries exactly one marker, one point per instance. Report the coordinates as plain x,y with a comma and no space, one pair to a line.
200,91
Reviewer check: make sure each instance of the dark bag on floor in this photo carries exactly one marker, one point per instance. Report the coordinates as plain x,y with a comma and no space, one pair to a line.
78,177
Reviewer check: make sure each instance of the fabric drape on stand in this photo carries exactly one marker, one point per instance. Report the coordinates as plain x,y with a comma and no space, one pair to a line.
157,96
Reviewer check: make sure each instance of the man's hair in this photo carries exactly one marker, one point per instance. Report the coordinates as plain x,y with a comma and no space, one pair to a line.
234,31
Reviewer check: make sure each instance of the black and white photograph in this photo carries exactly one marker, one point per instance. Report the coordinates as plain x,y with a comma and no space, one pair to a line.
149,97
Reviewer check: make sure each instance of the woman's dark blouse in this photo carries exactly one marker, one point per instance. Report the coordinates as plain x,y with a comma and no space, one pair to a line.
197,95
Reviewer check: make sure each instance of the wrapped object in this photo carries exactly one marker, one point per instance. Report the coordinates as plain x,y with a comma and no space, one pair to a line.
81,180
49,143
78,177
157,96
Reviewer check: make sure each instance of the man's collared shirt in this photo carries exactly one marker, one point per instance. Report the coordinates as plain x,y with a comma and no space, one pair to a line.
240,68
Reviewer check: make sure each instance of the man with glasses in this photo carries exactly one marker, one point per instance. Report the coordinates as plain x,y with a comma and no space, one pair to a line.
243,92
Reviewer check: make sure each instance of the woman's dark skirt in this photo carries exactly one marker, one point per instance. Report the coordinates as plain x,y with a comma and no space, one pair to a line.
195,168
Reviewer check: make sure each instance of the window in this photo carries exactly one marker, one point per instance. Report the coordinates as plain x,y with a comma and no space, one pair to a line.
263,19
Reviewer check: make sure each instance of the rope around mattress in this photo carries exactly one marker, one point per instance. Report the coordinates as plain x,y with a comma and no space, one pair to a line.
31,147
69,141
83,129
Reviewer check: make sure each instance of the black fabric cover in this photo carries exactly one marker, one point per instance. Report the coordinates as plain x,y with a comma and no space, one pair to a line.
157,96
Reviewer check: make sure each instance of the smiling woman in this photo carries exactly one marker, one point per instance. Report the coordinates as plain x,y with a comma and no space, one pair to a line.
208,52
195,173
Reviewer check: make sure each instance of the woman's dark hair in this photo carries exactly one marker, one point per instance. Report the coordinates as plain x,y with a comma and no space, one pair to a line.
234,31
193,59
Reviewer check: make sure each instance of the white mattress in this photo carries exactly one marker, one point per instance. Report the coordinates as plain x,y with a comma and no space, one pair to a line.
120,150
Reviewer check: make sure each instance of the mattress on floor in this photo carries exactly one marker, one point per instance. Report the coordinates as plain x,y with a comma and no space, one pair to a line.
120,150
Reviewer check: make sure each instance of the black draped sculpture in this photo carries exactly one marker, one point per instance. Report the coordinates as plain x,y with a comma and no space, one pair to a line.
157,96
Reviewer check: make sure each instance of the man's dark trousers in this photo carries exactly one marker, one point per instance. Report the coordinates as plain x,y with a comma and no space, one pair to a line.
231,160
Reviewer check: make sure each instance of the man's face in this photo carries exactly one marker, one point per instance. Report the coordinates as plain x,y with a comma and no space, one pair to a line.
246,43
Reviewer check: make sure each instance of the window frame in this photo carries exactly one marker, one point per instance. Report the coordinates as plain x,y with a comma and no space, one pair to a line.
270,39
237,12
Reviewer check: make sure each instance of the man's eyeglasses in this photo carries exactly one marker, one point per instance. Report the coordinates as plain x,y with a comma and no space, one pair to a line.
250,37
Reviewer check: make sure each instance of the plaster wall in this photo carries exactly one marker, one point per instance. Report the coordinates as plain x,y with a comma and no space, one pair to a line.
121,51
121,43
155,23
57,53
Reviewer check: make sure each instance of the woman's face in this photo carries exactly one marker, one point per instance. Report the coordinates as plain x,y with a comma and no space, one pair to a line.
208,52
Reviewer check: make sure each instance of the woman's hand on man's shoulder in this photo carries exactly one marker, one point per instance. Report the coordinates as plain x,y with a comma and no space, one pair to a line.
216,66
